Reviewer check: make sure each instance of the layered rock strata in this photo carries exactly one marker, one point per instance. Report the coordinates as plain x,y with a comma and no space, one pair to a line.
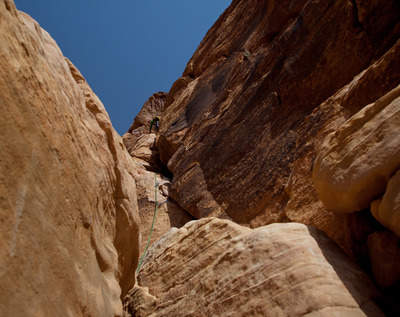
69,216
214,267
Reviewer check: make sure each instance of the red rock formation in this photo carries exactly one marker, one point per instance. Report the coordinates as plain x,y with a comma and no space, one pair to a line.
247,118
154,106
269,82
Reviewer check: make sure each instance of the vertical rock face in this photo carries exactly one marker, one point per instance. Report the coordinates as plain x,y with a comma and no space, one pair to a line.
214,267
152,186
69,225
268,83
243,127
153,189
154,106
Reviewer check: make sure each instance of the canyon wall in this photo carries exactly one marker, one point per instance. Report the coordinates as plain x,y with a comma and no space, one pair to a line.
288,112
69,216
271,79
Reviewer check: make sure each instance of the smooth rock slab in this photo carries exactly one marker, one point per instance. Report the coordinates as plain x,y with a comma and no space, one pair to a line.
68,210
214,267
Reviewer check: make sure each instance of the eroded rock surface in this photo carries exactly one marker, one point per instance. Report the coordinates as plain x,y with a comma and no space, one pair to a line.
355,162
69,223
214,267
154,106
169,214
267,84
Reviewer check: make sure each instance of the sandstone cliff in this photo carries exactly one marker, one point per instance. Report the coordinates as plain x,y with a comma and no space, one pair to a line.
214,267
288,112
250,112
69,224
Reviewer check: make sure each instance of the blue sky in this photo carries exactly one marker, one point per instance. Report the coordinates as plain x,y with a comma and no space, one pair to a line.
126,49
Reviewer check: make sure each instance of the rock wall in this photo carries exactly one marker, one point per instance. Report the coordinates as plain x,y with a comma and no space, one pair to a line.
153,189
69,216
267,84
214,267
243,129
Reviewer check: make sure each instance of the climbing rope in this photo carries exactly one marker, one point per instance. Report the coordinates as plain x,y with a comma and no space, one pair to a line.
152,226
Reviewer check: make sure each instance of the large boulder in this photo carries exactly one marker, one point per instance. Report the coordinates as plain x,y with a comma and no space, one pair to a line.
69,224
214,267
356,162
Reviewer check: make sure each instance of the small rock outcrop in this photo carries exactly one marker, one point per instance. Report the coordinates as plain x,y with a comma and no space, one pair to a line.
153,189
69,227
214,267
154,106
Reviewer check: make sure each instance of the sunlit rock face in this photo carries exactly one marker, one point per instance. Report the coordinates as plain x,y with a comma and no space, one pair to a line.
69,216
214,267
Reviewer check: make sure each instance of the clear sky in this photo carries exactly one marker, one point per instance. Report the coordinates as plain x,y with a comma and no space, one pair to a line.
126,49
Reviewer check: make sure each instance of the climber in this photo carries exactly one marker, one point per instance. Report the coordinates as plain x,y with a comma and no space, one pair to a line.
156,122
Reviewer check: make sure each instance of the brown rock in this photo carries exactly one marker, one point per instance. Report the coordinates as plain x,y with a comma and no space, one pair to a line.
143,150
154,106
387,209
214,267
356,162
169,214
384,251
69,225
253,105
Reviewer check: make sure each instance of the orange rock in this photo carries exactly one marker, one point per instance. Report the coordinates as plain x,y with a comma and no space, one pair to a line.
69,229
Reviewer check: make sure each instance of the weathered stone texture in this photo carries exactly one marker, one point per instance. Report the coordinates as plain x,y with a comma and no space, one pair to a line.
268,82
154,106
169,214
69,224
356,162
214,267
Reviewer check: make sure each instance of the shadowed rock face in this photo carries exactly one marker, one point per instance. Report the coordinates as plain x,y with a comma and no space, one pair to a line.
214,267
69,223
268,82
154,106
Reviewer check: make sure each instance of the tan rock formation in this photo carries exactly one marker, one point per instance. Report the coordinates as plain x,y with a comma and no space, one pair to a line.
143,150
169,214
213,267
356,162
387,209
244,124
154,106
69,224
